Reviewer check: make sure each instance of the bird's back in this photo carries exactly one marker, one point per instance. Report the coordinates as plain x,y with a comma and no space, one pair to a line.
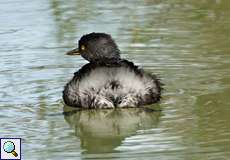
110,85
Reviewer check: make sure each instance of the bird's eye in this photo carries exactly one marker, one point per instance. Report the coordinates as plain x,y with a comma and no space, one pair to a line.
82,47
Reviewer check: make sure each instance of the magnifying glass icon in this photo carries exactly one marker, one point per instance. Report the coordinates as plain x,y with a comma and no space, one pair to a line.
9,147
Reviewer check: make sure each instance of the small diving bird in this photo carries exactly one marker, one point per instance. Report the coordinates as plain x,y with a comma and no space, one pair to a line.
108,81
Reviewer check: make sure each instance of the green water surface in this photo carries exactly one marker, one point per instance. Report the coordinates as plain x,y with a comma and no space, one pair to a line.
185,42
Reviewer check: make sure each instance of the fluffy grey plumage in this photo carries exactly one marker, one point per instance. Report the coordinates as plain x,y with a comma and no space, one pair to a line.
108,81
120,84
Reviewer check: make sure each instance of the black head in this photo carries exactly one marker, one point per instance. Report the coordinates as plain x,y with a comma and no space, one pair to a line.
96,47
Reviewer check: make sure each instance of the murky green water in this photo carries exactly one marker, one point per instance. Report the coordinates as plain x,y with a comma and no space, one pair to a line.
186,42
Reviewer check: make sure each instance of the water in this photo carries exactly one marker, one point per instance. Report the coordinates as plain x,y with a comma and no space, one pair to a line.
185,42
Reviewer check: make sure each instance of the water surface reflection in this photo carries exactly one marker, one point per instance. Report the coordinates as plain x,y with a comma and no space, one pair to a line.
104,130
185,42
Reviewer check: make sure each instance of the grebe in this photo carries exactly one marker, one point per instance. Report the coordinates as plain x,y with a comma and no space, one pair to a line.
108,81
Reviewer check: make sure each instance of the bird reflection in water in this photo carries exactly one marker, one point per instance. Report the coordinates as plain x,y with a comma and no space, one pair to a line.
101,131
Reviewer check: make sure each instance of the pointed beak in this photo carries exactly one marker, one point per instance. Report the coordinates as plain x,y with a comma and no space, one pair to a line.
73,52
